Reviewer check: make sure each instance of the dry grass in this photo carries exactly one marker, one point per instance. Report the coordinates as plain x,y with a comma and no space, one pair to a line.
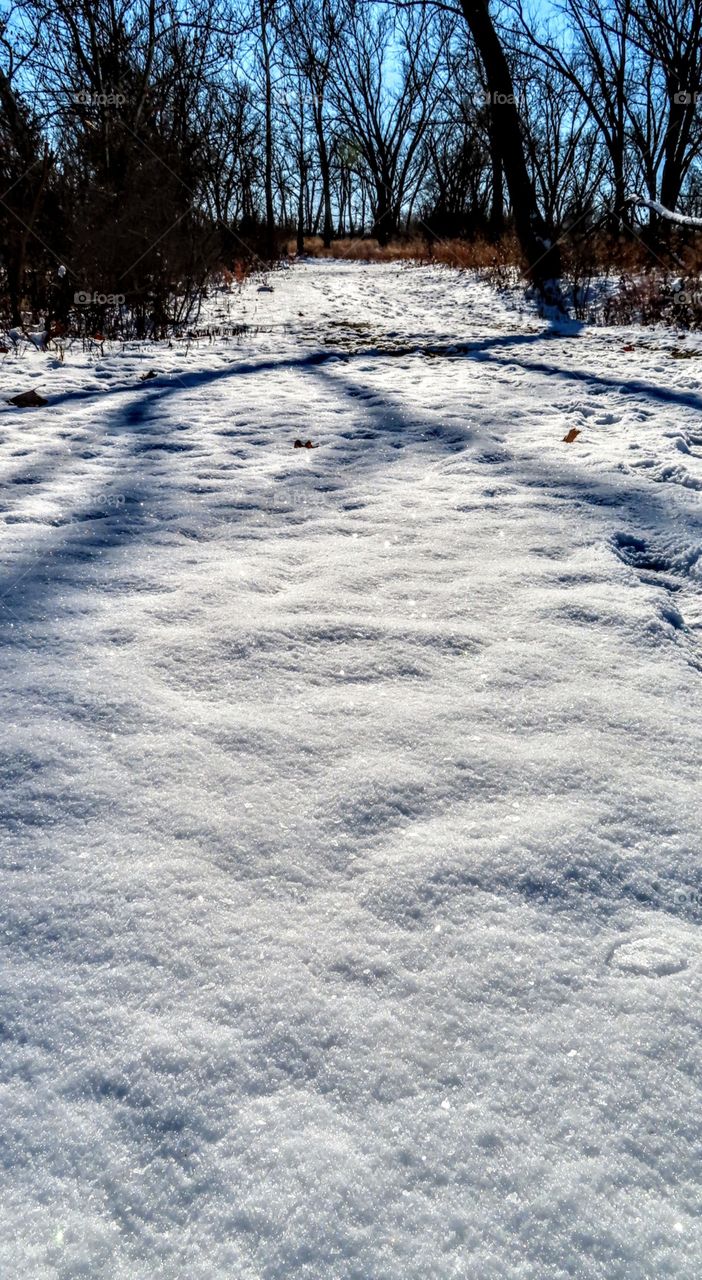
620,280
656,298
596,251
652,287
364,249
474,254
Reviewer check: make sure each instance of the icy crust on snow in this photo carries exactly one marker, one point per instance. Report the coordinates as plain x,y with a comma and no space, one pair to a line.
351,880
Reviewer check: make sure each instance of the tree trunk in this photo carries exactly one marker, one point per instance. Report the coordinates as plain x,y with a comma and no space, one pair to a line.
324,169
543,259
301,195
14,274
384,226
268,103
497,205
674,153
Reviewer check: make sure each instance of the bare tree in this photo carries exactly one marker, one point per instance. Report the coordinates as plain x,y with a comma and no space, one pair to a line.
387,117
541,252
670,33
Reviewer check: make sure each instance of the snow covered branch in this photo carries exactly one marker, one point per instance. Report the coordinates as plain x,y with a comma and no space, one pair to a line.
679,218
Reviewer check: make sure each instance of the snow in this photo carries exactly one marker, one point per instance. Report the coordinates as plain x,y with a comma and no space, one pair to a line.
351,887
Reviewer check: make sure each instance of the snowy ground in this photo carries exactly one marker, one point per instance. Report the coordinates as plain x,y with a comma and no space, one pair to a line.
351,892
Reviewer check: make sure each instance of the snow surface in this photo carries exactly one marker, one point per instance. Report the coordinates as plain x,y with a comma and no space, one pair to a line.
350,911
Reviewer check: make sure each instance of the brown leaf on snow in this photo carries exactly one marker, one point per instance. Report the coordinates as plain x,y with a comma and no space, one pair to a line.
28,400
145,376
572,435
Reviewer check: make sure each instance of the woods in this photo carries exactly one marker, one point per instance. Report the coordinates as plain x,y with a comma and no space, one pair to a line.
144,146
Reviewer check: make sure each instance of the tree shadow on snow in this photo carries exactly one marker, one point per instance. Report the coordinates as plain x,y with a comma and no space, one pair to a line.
130,504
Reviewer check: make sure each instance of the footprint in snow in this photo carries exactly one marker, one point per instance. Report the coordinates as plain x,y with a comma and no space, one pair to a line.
648,957
638,554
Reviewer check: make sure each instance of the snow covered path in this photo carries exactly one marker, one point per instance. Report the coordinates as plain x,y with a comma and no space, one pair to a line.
351,896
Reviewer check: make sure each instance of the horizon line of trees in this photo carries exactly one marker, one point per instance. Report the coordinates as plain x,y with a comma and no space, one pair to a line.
144,144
